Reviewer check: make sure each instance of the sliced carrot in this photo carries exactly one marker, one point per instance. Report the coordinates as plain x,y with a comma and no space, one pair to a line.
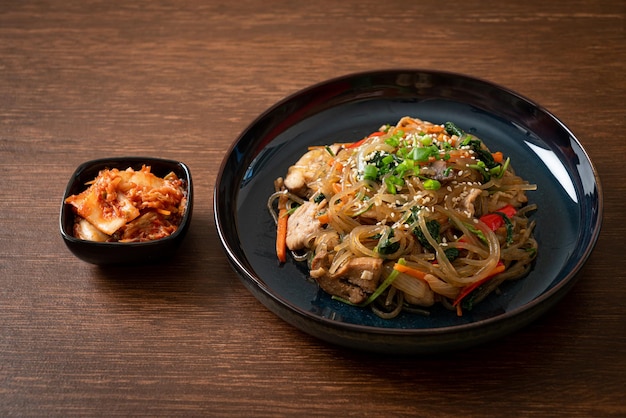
403,268
434,129
497,157
335,164
457,154
281,229
324,218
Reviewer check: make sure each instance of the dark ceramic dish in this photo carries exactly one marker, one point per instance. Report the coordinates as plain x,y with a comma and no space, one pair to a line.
108,253
345,109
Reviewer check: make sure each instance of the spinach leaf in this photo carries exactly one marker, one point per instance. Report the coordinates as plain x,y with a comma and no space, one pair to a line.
433,228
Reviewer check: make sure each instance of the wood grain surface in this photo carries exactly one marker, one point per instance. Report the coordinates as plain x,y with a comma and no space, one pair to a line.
88,79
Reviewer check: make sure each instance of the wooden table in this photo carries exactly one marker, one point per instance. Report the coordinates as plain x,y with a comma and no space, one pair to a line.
87,79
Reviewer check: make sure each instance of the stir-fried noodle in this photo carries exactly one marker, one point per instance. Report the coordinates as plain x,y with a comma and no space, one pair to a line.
412,215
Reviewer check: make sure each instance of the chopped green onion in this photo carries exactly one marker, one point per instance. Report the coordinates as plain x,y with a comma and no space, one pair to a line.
477,232
431,184
422,154
505,166
426,141
394,140
388,159
467,140
370,172
392,183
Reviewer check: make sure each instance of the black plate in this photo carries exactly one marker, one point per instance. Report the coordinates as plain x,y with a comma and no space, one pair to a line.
345,109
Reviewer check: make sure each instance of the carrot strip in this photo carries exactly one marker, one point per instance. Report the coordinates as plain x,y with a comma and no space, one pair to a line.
403,268
497,157
456,155
434,129
337,165
324,218
281,229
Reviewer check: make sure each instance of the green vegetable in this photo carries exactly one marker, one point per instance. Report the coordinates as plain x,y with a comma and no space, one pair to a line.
394,140
387,246
370,172
422,154
426,141
433,227
319,198
452,253
505,166
393,184
384,162
413,217
476,232
480,153
452,129
509,227
431,184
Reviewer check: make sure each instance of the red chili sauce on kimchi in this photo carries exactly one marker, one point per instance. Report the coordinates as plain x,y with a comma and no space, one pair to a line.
129,206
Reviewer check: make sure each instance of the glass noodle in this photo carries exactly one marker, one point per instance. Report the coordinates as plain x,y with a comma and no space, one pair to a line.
409,216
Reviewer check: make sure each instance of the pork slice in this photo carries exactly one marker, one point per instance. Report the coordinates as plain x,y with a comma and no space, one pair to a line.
336,287
363,272
467,204
302,226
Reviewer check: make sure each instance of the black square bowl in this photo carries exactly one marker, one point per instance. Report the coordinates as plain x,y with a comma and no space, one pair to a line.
110,253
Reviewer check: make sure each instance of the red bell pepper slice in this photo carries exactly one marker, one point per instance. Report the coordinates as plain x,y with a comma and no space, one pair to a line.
360,142
499,268
494,220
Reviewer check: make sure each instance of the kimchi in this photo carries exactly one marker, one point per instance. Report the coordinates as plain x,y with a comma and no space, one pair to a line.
129,206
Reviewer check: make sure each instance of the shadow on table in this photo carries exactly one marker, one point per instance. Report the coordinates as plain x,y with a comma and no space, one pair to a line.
195,274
